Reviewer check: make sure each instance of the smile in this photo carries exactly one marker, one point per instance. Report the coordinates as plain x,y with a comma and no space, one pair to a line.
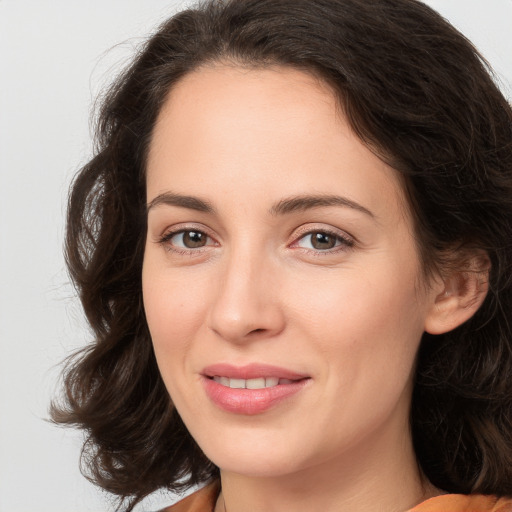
259,383
251,389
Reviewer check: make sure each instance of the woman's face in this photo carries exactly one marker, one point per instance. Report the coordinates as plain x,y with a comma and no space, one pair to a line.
279,253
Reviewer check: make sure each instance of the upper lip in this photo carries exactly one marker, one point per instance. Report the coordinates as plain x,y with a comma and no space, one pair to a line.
250,371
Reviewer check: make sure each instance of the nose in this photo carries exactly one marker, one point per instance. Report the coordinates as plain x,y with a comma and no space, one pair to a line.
246,305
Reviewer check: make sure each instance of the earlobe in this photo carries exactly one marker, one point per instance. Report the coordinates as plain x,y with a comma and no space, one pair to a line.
459,295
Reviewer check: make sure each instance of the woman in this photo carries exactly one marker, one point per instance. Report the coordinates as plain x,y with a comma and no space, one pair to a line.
294,248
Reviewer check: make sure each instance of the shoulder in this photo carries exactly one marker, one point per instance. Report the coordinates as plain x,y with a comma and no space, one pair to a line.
199,501
465,503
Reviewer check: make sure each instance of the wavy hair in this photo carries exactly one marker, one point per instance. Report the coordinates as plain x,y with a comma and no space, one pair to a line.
418,94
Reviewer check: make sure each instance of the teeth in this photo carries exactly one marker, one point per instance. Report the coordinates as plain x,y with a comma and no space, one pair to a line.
259,383
255,383
237,383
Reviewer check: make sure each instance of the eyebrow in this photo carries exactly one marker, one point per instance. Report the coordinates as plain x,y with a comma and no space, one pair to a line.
172,199
283,207
308,202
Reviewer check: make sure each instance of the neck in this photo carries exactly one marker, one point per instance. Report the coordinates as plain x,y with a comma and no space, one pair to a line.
381,476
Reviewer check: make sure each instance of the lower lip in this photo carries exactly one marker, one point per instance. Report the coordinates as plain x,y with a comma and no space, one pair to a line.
250,401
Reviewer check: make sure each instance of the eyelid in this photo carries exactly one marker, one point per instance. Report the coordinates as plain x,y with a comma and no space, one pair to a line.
171,231
348,240
185,226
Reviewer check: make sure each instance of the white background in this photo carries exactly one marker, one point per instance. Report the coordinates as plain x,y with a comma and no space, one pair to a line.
55,55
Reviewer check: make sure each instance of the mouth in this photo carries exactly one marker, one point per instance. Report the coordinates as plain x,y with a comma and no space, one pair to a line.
254,373
251,389
258,383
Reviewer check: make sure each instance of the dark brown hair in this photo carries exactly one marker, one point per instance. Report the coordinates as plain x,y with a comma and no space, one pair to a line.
418,94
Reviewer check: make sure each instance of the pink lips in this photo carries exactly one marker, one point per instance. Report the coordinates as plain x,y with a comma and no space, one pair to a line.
250,401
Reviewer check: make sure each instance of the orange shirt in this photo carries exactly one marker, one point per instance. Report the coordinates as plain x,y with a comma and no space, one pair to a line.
464,503
204,501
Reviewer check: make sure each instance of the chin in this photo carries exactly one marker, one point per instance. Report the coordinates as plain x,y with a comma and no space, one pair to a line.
256,466
256,459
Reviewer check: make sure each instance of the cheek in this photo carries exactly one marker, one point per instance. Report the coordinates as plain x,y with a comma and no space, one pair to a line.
174,312
175,308
372,319
367,335
356,299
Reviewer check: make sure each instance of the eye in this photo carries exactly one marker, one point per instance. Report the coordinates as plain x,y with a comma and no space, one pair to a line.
323,241
190,239
187,239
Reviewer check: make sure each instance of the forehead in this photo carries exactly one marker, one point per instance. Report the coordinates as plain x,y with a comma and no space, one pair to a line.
217,104
277,131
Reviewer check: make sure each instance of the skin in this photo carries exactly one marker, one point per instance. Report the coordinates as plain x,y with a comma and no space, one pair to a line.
350,317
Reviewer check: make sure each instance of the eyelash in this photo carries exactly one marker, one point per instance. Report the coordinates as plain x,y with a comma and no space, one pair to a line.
166,238
343,242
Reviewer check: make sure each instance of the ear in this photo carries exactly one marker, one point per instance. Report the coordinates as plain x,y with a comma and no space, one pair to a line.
458,294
